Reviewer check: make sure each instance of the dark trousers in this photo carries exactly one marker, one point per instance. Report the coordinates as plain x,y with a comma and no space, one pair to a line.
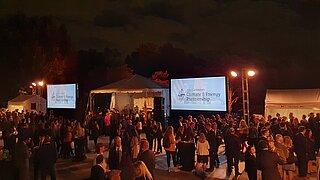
150,140
36,171
252,174
215,156
173,155
179,152
49,171
95,140
58,143
214,159
233,160
159,147
66,150
303,166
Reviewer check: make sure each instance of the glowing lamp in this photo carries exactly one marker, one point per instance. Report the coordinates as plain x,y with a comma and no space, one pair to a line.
251,73
233,74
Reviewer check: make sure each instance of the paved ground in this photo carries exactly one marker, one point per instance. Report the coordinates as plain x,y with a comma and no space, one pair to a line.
81,170
66,169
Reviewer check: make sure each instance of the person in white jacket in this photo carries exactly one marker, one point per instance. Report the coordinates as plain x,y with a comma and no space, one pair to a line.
202,152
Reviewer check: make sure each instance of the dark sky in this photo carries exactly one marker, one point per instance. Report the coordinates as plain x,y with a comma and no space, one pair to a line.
204,27
281,39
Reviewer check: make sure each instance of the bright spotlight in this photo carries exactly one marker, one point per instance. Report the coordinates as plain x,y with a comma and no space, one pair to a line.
34,84
251,73
233,73
40,83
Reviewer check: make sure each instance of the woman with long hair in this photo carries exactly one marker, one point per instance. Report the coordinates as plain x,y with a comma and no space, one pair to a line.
159,136
179,135
290,166
141,172
134,144
203,153
171,148
243,132
311,150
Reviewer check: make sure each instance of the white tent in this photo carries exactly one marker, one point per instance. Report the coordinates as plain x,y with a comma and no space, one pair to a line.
28,102
131,92
297,101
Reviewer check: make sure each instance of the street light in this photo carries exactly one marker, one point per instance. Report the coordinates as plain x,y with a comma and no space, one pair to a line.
40,83
251,73
245,90
34,84
233,74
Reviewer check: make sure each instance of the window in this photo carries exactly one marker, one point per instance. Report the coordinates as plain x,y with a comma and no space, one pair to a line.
33,106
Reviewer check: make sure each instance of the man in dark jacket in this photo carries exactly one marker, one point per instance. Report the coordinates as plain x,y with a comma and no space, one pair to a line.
233,147
97,171
268,162
116,154
147,156
300,144
47,158
212,136
21,157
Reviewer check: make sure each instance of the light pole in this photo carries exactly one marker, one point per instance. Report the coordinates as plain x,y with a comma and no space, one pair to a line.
245,73
34,88
40,83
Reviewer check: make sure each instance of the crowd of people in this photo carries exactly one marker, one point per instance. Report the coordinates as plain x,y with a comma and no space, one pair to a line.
273,145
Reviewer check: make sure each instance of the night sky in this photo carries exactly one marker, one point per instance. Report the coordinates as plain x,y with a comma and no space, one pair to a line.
280,39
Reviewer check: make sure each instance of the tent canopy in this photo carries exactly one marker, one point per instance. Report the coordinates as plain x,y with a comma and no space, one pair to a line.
27,102
298,101
134,84
132,91
22,98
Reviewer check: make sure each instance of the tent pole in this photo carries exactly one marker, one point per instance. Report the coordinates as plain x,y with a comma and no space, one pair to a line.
90,102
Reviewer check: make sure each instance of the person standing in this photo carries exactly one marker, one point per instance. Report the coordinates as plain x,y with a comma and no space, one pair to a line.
35,155
169,144
98,171
212,137
268,162
107,123
147,156
95,133
47,159
117,154
203,152
251,163
290,166
300,144
311,149
21,158
159,136
134,144
233,147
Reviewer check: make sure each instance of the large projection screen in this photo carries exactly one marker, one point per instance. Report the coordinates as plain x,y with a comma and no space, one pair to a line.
62,96
200,94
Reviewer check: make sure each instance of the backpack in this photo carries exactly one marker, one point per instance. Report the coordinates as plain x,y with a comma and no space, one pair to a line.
166,142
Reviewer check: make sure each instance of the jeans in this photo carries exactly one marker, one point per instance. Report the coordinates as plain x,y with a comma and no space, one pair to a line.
174,158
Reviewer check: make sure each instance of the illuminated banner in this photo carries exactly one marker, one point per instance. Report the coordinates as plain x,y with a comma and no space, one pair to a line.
61,96
207,94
